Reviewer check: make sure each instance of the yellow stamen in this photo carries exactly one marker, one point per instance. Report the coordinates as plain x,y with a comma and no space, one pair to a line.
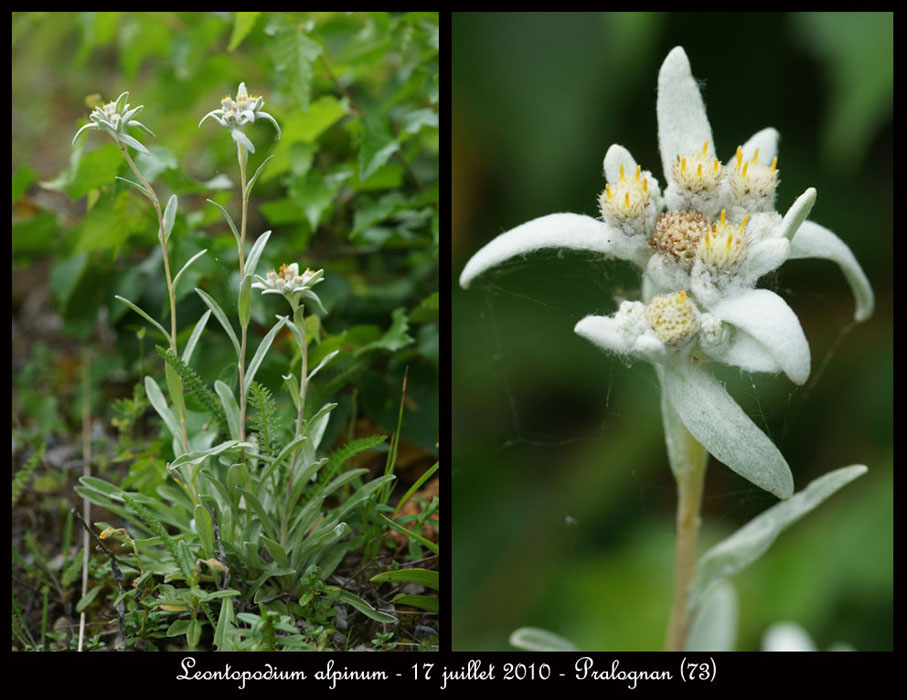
683,165
756,155
730,237
739,156
608,191
715,167
699,170
621,171
683,292
708,242
638,168
645,184
743,223
723,211
774,163
626,199
705,148
745,166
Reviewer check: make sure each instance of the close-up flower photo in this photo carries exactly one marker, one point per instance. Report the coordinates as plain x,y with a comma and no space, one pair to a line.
652,390
225,341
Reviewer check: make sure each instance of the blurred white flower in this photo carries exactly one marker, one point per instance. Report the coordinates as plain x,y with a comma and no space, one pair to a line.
293,285
115,118
235,114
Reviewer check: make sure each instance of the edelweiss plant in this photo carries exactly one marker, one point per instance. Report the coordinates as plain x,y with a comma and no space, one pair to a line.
248,507
701,244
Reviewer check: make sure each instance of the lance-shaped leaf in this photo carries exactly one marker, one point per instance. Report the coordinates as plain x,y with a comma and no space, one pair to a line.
814,241
156,397
683,126
220,316
715,626
774,337
753,539
723,428
170,216
259,356
144,315
569,231
255,254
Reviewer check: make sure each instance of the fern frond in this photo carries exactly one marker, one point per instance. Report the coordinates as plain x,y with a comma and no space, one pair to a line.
196,387
347,452
20,480
265,423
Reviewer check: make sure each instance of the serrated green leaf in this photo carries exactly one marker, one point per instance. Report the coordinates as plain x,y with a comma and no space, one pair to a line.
395,337
293,53
378,145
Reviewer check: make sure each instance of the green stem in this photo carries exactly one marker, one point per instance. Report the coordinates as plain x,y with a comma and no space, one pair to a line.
162,238
688,462
242,272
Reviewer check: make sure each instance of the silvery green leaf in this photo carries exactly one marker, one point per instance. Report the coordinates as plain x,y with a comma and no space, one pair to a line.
716,421
561,231
129,141
140,188
144,315
773,326
186,266
535,639
259,356
251,182
255,254
327,358
715,626
242,140
309,294
244,304
360,605
753,539
216,113
231,409
156,397
797,214
272,120
293,386
196,457
90,125
765,141
196,334
814,241
170,216
229,220
175,389
220,316
317,424
683,126
141,126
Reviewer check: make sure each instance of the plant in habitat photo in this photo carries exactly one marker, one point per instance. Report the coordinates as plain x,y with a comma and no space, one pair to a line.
695,240
265,477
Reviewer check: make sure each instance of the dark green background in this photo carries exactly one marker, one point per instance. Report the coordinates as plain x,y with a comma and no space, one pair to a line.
563,502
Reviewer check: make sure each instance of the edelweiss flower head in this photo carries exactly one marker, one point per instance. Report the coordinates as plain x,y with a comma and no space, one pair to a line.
702,247
235,114
115,118
291,284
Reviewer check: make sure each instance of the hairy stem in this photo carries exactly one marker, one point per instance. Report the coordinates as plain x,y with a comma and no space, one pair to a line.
242,273
688,462
162,238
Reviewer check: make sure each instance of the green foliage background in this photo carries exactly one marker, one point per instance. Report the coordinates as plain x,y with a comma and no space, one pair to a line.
563,503
352,187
